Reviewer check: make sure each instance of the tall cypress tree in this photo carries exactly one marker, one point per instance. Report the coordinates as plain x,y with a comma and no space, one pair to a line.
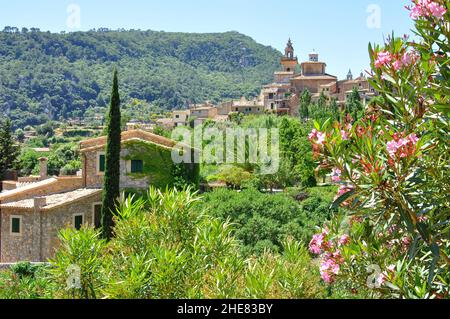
9,152
111,183
305,104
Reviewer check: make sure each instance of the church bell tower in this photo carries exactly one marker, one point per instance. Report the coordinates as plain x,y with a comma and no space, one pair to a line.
289,61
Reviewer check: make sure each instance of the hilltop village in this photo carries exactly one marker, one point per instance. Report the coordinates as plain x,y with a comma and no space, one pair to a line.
33,208
282,97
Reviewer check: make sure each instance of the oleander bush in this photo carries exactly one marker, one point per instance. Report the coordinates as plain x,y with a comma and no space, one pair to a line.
392,169
165,247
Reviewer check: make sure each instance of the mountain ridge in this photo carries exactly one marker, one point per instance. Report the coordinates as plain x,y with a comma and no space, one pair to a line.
47,76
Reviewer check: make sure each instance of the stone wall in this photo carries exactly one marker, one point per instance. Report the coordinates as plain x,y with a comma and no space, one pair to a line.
94,179
39,237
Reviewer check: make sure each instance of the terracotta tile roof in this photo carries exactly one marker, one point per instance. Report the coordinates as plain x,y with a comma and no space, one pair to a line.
100,142
55,200
315,77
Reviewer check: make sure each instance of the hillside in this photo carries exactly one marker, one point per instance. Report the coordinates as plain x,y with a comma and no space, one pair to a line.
53,76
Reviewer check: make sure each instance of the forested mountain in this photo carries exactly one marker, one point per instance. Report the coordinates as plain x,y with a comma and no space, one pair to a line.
46,76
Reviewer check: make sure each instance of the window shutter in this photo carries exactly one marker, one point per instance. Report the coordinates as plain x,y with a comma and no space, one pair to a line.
15,225
102,161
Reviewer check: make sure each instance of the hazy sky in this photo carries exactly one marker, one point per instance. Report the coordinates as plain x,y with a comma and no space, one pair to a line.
338,30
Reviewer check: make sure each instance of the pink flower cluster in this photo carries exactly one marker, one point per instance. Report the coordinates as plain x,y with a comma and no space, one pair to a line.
427,8
385,58
384,276
317,137
402,147
331,258
344,189
336,174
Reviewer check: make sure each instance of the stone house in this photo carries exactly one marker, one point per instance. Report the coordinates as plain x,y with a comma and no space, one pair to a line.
32,214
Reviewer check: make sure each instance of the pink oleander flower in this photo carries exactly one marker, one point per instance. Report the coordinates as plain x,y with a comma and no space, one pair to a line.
383,58
397,65
391,268
336,175
344,240
381,279
437,10
427,8
320,138
392,148
316,135
407,59
402,147
344,189
313,134
413,138
344,135
327,277
406,241
315,246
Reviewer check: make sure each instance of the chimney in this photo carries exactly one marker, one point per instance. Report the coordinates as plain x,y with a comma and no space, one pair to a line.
39,202
43,168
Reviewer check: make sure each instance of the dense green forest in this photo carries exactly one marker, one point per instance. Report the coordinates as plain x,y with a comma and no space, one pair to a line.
47,76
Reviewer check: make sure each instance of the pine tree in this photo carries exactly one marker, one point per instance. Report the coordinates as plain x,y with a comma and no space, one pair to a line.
9,151
111,188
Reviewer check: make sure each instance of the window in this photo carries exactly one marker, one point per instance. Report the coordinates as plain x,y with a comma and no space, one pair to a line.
97,215
78,220
177,116
101,163
137,166
16,225
270,96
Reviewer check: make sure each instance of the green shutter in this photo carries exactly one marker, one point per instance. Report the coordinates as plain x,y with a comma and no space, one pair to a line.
15,225
102,163
137,166
78,222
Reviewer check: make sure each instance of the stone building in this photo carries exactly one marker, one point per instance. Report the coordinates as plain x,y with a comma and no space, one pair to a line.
282,96
31,214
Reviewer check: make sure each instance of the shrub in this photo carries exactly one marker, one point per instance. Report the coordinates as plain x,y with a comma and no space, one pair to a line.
262,221
26,281
166,248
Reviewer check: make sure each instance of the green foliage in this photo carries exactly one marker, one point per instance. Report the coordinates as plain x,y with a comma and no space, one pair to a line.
29,162
83,250
47,129
8,149
274,216
159,168
65,75
26,281
354,106
233,176
64,157
165,247
111,180
305,103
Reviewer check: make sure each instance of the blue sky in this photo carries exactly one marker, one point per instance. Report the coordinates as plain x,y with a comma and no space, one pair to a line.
337,30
